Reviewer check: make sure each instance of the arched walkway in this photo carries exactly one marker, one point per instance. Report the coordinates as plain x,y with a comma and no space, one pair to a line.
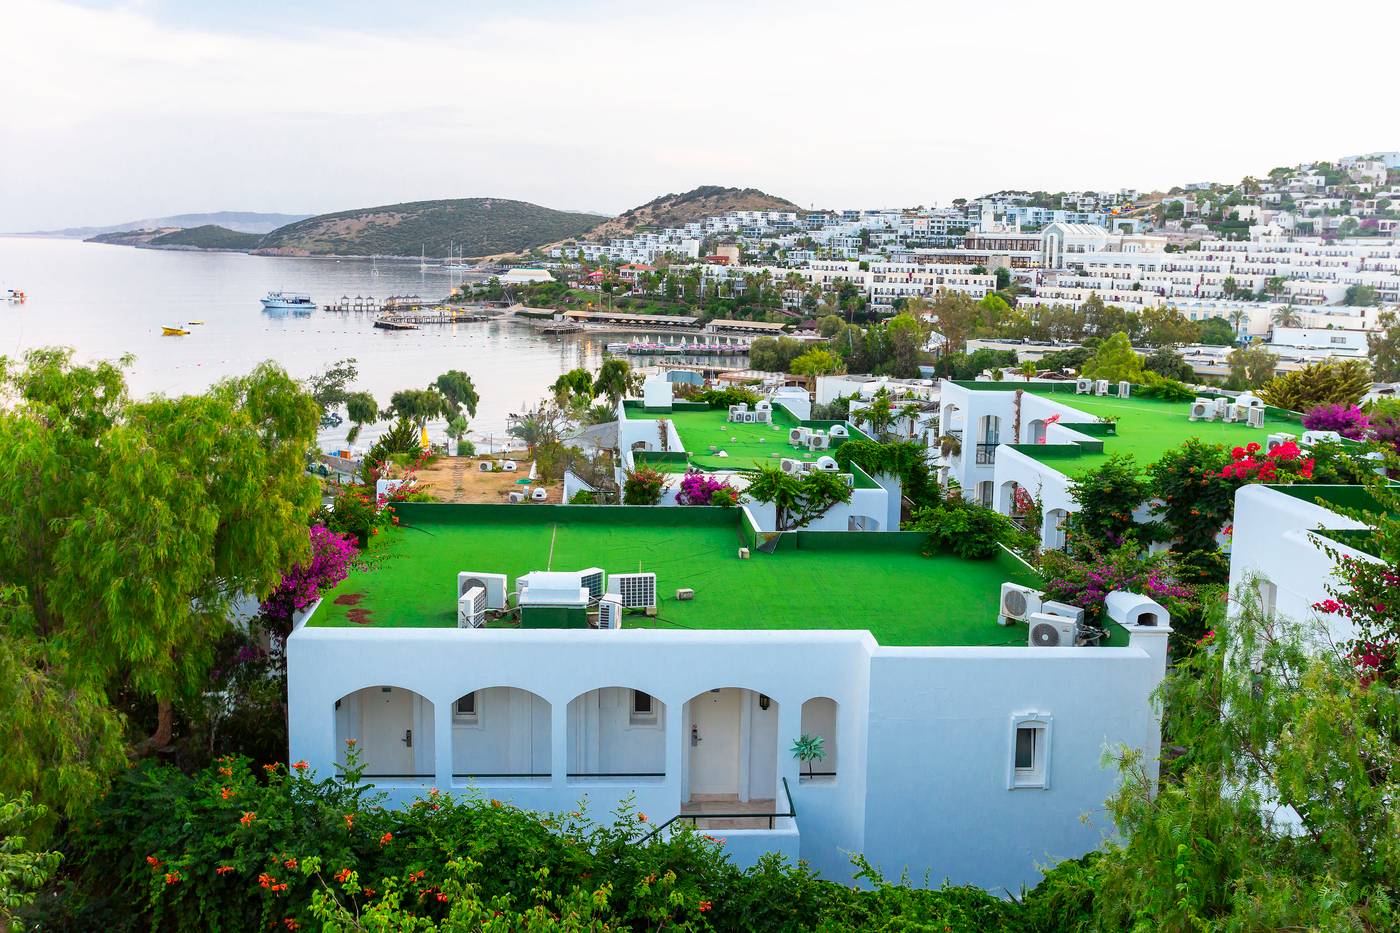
731,747
616,732
1053,534
1035,431
819,720
500,732
392,731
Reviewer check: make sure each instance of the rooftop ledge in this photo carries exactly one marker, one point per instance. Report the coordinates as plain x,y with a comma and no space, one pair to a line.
815,581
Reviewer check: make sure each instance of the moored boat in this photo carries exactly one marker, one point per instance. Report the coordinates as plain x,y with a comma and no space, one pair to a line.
288,301
173,331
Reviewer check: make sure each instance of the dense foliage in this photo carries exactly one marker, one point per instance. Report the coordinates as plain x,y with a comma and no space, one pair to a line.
643,486
1330,381
1107,498
963,527
797,500
1347,420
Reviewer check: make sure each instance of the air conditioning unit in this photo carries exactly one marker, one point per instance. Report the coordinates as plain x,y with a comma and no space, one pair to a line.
1280,438
798,436
634,590
471,608
1316,437
1203,409
1125,388
789,465
1222,405
1249,400
493,583
609,613
684,594
751,417
818,442
737,410
827,464
539,494
1063,610
1018,602
850,479
761,417
1233,413
509,466
1083,386
1047,631
516,497
763,405
484,466
1101,387
1254,417
592,580
838,430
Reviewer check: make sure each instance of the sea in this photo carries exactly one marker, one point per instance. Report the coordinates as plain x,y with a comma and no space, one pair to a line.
106,301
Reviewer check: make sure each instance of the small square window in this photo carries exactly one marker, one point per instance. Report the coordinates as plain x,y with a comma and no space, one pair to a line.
1030,751
643,709
1025,748
464,710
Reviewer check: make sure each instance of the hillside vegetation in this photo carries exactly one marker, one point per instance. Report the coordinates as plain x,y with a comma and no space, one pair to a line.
209,236
674,210
476,226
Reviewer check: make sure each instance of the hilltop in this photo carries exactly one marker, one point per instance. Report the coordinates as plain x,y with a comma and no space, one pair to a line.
475,226
675,210
208,236
240,221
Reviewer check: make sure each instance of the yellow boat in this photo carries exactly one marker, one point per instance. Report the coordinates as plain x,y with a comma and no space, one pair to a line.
173,332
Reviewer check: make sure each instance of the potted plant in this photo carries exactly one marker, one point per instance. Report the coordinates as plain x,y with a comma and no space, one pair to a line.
809,748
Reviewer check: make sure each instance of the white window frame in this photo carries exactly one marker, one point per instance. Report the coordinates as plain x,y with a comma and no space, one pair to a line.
1036,777
473,718
638,720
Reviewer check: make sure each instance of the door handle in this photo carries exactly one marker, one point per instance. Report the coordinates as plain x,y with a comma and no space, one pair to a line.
408,737
695,737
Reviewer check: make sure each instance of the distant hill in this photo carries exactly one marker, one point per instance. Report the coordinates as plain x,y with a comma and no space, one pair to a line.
478,226
674,210
209,236
241,221
131,237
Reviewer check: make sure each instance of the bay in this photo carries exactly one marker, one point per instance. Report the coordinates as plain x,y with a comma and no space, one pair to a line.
105,301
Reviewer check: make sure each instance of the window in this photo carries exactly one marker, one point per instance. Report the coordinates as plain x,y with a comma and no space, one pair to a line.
464,710
1268,596
1030,751
643,709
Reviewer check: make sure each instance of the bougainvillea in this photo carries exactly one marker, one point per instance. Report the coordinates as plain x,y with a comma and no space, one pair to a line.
1085,581
1347,420
1195,497
1282,465
1370,600
330,562
698,489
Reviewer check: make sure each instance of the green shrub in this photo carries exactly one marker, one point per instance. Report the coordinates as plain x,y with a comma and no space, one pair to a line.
723,398
967,529
643,486
584,497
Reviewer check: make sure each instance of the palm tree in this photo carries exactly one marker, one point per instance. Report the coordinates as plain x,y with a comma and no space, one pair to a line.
1237,317
362,409
1287,316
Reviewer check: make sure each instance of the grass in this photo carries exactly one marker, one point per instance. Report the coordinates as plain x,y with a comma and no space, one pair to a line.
748,445
409,577
1148,428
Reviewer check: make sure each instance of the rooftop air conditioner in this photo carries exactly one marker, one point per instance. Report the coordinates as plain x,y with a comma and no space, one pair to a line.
1222,405
1063,610
738,409
516,497
789,465
493,583
539,494
1101,387
1233,413
1254,417
484,466
471,608
509,466
1203,409
751,417
609,613
1280,438
798,436
827,464
635,590
1249,400
1083,386
818,442
850,479
1311,438
592,580
1018,602
763,405
838,430
1125,388
761,417
1047,631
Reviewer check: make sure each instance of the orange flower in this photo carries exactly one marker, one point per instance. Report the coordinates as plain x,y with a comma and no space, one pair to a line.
417,875
385,839
291,924
291,863
300,765
369,892
172,877
226,771
279,887
225,792
350,743
349,821
496,803
705,906
270,767
343,875
266,880
641,817
248,817
223,869
152,861
441,896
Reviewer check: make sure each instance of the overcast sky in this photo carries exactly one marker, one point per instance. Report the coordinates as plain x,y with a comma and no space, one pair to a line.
112,111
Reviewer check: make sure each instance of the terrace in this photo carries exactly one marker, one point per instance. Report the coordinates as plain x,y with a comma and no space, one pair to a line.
828,581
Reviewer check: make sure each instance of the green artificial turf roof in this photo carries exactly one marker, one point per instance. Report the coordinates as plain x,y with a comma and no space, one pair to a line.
409,577
748,445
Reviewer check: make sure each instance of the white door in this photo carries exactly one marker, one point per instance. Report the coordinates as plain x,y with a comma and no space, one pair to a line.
714,752
385,720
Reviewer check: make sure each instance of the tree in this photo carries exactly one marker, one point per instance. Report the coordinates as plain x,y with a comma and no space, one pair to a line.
1229,288
1237,318
576,383
168,510
1167,362
878,416
1250,367
1287,316
1362,295
1107,497
542,425
954,315
1336,381
24,872
459,390
1274,285
1384,347
1216,332
797,500
362,409
457,428
420,405
1115,360
815,362
328,389
616,381
1164,326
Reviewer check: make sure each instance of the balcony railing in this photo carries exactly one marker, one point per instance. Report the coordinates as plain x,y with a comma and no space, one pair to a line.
772,818
986,454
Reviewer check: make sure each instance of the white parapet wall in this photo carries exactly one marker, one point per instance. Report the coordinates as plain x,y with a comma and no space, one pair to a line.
925,735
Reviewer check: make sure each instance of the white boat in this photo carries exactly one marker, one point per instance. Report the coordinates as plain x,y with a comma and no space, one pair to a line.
288,301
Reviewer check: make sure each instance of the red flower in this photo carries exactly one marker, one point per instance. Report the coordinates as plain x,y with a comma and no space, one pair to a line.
248,818
1252,446
343,875
223,869
290,863
441,896
270,767
152,861
385,839
266,880
300,765
172,877
225,792
705,906
291,924
641,817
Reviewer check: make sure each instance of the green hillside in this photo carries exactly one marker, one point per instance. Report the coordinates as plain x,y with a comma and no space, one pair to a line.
209,236
476,226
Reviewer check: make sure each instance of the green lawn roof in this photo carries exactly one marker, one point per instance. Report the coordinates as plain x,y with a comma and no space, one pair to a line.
833,580
748,445
1146,428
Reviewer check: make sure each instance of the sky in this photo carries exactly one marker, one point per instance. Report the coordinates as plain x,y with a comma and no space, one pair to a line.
113,111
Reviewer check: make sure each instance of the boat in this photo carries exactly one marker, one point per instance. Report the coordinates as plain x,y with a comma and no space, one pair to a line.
194,323
173,332
14,294
288,301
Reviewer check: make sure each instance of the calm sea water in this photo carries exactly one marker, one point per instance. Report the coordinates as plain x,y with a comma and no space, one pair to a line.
105,301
